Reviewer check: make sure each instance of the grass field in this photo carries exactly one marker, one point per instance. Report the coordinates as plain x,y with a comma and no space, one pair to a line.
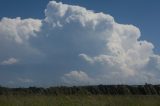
83,100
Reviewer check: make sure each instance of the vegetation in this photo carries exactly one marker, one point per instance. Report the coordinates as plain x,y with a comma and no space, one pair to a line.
146,89
79,100
101,95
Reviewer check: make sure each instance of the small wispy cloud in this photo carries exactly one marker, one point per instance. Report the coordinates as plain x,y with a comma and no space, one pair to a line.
76,77
10,61
25,80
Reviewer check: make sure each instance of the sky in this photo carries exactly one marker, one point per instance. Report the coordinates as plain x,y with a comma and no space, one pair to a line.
79,42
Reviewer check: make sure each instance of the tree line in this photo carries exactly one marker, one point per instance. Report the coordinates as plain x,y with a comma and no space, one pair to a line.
147,89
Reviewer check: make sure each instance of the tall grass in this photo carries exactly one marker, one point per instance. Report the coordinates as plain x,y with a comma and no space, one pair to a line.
79,100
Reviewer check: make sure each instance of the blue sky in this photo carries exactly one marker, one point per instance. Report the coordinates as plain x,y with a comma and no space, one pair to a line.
71,45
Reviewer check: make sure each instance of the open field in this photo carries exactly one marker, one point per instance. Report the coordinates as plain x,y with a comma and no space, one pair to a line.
79,100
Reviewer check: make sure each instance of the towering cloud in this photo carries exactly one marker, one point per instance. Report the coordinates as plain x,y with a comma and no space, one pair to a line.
18,30
74,38
14,38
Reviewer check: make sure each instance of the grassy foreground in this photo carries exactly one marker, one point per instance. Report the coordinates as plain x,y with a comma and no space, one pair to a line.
82,100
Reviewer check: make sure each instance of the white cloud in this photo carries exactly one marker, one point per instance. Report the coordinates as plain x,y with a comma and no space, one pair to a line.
15,36
58,14
10,61
25,80
77,38
19,30
87,58
115,46
76,78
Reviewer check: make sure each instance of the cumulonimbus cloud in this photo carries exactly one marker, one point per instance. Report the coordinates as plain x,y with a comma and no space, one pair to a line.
75,38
